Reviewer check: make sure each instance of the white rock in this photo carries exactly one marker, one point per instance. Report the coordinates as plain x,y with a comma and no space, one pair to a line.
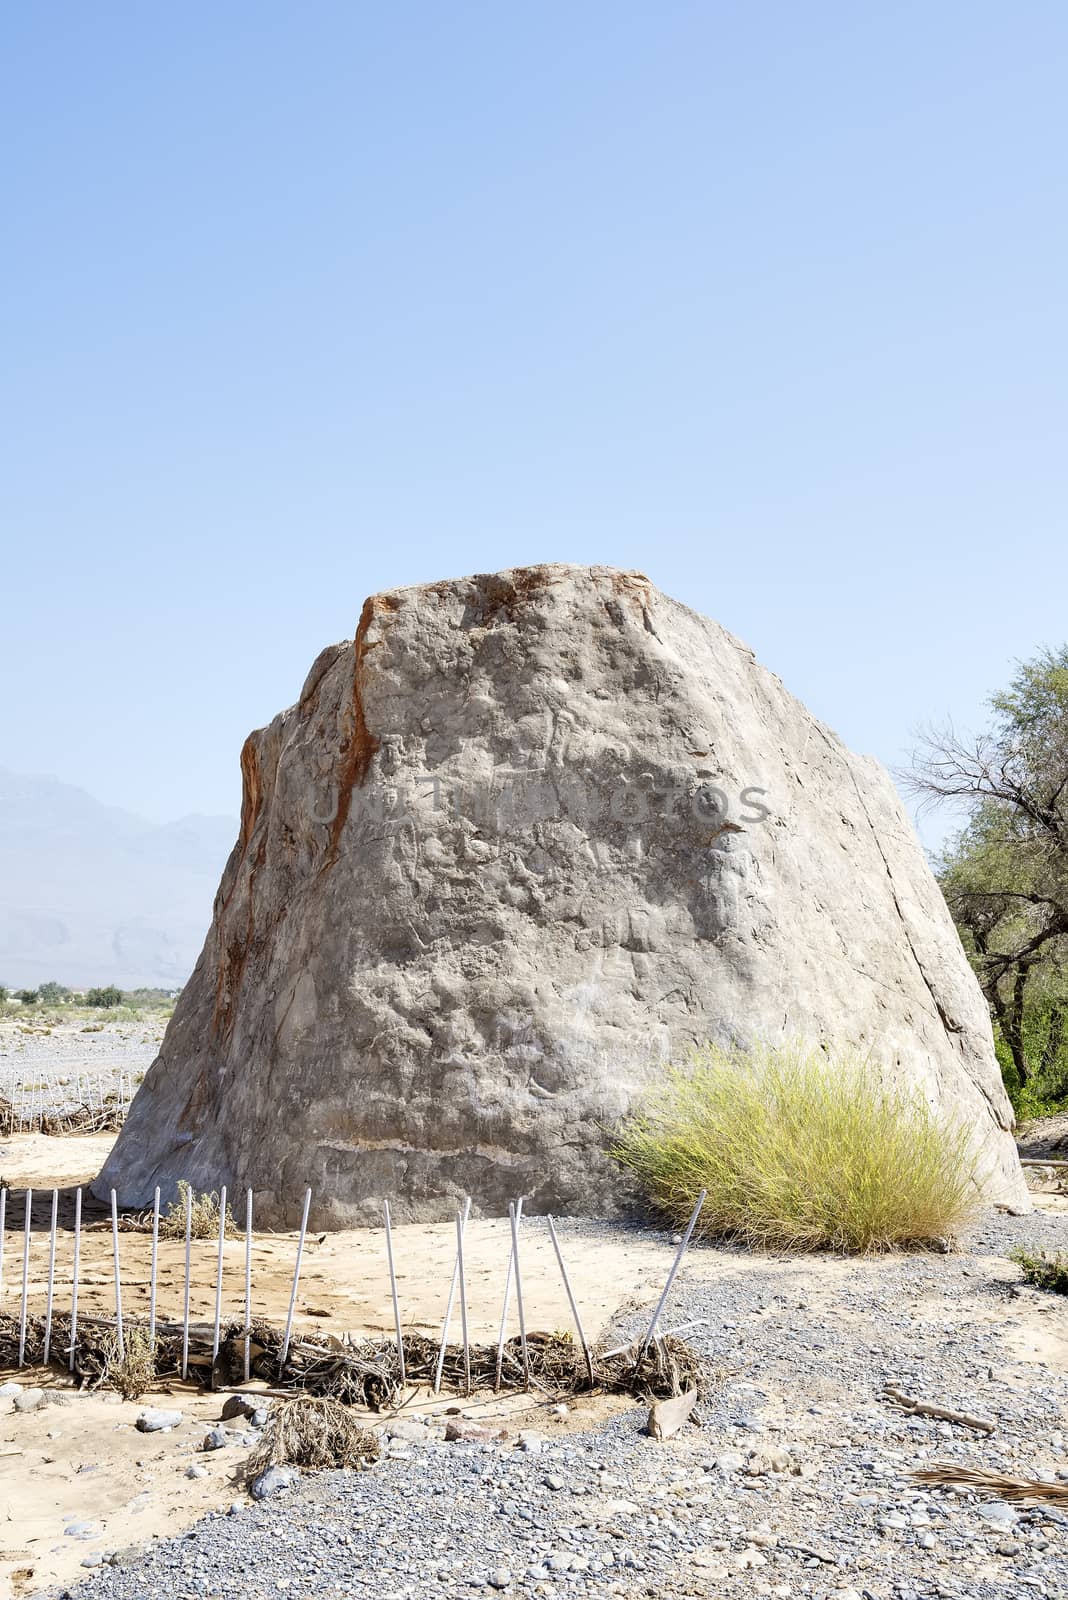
154,1420
725,850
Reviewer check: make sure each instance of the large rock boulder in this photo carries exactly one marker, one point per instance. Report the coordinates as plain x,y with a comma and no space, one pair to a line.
526,838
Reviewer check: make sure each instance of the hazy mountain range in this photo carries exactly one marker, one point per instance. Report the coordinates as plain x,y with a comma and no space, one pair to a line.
90,894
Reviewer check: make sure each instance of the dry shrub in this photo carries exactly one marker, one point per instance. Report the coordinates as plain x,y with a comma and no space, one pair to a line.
133,1372
204,1216
799,1152
310,1432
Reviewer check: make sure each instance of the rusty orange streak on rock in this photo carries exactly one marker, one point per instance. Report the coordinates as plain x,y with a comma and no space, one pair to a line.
360,744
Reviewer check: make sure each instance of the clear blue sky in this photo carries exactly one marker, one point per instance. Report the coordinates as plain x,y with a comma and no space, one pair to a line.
307,300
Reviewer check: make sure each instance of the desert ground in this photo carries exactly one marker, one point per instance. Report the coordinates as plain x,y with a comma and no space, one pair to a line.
797,1351
795,1479
77,1463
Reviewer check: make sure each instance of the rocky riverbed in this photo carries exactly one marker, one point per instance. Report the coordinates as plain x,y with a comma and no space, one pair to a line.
797,1481
55,1067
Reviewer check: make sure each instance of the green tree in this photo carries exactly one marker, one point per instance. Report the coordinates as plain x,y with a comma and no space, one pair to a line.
29,997
104,997
53,993
1005,878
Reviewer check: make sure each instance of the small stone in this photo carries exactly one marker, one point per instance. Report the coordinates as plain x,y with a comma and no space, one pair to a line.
28,1399
216,1439
238,1405
124,1557
93,1559
997,1512
196,1472
272,1481
765,1461
747,1560
408,1432
560,1411
83,1530
459,1431
531,1443
501,1578
730,1461
155,1421
551,1481
711,1563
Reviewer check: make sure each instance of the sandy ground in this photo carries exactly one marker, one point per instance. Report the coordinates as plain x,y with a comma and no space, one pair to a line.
84,1460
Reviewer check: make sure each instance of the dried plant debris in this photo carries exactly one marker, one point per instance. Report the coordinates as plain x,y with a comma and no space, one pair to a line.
311,1431
365,1374
946,1475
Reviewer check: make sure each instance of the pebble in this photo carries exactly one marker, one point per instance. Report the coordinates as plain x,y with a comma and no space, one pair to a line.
239,1405
272,1481
28,1399
215,1439
153,1420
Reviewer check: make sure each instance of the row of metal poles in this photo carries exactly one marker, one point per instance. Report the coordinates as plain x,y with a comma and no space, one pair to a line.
458,1285
49,1095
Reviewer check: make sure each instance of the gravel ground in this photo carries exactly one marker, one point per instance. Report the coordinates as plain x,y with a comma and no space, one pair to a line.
798,1352
62,1067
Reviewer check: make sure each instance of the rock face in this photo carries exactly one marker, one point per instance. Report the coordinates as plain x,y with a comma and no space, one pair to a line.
526,838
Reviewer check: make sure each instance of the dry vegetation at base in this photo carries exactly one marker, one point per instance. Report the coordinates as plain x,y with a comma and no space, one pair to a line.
132,1371
308,1432
799,1152
204,1216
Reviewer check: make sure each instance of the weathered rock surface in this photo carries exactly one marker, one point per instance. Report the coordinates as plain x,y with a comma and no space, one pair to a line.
523,840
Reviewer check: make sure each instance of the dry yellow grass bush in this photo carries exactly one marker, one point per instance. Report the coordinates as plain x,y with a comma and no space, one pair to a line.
799,1151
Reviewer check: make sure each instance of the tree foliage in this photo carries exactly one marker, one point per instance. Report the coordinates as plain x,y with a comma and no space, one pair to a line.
52,993
104,997
1005,878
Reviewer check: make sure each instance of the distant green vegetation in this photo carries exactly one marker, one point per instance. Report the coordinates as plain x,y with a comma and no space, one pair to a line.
53,994
798,1152
53,1003
105,998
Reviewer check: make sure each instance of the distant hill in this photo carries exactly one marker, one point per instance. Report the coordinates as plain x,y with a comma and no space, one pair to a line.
90,894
